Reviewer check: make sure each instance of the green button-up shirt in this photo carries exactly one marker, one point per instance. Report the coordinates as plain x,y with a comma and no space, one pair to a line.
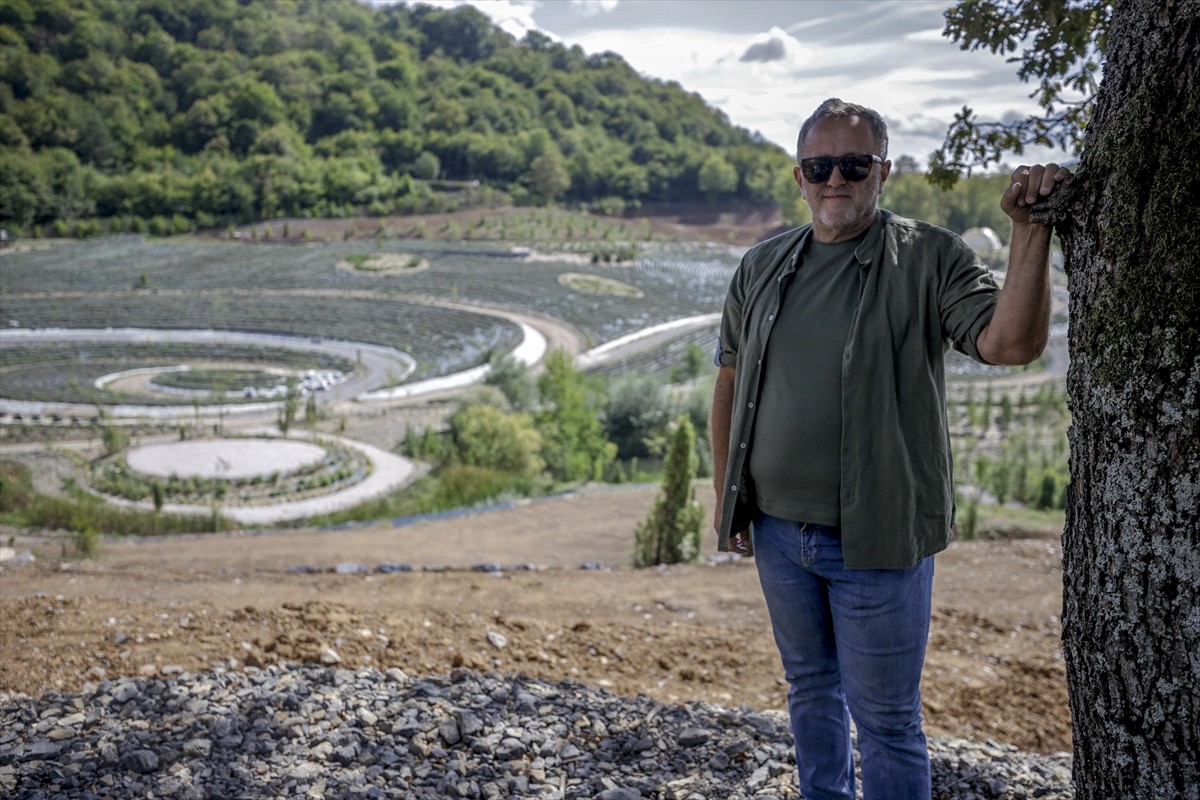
921,290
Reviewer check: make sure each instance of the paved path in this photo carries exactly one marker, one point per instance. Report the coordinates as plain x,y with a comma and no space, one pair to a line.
375,362
378,365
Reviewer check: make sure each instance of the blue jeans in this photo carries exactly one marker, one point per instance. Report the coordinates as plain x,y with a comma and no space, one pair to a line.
852,642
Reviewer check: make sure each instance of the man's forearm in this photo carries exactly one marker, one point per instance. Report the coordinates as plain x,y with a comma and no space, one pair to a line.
719,422
1020,326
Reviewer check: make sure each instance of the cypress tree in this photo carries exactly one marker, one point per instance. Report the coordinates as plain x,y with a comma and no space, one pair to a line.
670,534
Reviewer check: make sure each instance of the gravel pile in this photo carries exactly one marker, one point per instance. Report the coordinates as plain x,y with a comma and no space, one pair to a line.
317,732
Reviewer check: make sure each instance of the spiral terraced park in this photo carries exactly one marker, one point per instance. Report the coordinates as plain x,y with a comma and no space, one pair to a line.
203,338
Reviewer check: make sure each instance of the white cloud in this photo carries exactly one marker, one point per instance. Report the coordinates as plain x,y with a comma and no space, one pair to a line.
926,35
592,8
699,58
514,17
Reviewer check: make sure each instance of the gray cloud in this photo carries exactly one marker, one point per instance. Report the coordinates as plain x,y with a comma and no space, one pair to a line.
919,126
771,50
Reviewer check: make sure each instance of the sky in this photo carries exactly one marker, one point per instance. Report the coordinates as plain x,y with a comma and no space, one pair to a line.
768,63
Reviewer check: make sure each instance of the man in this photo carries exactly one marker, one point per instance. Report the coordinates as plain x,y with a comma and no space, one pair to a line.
831,443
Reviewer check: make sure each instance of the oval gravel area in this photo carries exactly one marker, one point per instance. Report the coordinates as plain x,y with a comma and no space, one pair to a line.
223,458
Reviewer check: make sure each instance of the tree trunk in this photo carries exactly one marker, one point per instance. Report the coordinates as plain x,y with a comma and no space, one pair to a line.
1131,549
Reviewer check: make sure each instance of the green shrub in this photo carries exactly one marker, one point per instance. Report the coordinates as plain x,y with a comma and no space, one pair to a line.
489,437
466,485
77,511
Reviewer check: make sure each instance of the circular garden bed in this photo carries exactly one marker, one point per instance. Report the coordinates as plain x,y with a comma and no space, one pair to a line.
252,471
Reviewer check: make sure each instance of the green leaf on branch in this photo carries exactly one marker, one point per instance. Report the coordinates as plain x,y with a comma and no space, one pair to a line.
1061,45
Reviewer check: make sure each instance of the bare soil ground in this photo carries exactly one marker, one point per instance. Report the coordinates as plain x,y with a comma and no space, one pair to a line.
994,670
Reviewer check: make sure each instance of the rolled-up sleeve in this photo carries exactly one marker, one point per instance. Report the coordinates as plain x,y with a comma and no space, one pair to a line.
968,299
730,338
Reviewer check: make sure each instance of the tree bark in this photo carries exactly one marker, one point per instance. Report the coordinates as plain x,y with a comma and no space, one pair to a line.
1131,548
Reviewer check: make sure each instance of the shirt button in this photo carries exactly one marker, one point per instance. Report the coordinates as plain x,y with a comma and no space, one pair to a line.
743,445
770,317
760,361
733,488
750,405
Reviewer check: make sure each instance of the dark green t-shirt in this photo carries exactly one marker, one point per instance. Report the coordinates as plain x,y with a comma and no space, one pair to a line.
795,460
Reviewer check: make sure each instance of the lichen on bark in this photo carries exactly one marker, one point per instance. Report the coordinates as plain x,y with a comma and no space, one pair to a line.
1131,548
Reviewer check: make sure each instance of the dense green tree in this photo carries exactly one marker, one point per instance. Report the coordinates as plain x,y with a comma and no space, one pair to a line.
635,417
487,436
717,177
514,380
548,176
158,101
426,166
574,445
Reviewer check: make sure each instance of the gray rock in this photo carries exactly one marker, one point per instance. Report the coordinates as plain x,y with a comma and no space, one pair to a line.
39,750
312,730
510,749
142,761
449,732
469,723
619,794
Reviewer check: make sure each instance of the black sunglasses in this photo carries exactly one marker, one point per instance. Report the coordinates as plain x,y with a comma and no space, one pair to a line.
853,167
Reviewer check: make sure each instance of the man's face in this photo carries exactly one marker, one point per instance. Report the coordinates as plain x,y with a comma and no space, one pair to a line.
841,209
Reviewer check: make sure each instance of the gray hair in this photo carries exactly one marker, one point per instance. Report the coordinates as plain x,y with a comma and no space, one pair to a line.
833,108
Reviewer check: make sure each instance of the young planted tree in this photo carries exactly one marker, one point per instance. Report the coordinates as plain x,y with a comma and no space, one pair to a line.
312,414
291,404
1131,548
156,491
113,438
670,534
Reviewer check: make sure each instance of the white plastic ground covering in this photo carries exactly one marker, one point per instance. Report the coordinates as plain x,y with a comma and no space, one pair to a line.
529,352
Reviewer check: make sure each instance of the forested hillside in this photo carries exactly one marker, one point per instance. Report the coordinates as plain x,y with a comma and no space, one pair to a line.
166,115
